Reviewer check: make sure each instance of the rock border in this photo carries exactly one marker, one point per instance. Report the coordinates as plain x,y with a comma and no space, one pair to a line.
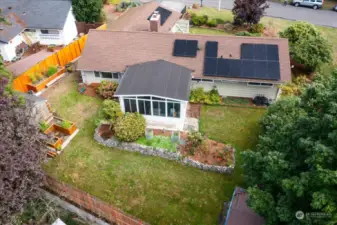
175,156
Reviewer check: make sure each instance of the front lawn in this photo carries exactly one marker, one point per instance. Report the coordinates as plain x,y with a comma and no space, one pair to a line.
155,190
273,23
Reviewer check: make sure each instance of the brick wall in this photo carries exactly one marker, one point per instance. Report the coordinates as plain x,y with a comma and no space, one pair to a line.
90,203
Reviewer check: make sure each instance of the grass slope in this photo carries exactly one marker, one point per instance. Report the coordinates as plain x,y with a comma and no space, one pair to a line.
153,189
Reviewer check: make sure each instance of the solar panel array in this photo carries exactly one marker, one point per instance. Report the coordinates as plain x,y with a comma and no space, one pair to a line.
258,61
164,14
185,48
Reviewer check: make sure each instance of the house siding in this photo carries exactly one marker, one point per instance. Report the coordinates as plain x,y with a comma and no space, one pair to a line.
88,77
239,89
8,51
69,30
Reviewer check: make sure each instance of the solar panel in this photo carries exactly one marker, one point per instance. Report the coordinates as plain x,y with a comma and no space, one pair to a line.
247,51
185,48
260,52
211,49
179,47
273,70
247,69
234,67
210,66
164,14
261,69
272,52
223,67
191,48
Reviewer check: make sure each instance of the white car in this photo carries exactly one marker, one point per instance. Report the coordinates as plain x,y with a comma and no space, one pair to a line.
315,4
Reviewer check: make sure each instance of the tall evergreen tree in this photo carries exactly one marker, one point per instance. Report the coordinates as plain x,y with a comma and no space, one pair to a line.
88,11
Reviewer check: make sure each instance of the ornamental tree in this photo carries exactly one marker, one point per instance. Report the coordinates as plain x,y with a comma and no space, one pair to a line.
295,164
88,11
21,151
307,45
248,11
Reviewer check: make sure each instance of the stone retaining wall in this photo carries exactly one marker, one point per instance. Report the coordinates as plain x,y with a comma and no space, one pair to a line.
163,153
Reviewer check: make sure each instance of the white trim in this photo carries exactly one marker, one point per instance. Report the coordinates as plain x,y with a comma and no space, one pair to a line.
156,96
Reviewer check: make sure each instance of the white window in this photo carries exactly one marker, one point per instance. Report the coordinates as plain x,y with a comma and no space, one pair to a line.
97,74
106,75
115,75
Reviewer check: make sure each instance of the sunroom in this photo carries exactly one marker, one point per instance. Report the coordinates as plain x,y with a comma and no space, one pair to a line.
159,90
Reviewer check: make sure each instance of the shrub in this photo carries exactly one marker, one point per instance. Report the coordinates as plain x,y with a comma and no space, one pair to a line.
257,28
194,141
32,78
51,70
198,20
130,127
247,34
295,87
38,76
107,89
212,23
198,95
111,110
66,124
307,45
43,126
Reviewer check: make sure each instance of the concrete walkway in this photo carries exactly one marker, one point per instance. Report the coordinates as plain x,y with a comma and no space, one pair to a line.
318,17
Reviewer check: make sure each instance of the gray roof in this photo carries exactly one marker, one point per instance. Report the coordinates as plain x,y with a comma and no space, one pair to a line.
8,31
160,78
39,14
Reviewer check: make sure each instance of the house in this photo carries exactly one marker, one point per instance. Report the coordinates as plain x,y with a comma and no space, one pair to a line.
50,22
156,17
239,213
141,62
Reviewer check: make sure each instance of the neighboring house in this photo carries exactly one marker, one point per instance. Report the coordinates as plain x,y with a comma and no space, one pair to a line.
50,22
163,17
239,213
236,66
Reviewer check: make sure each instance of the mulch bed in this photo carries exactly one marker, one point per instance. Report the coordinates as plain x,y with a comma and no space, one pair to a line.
193,110
211,153
90,90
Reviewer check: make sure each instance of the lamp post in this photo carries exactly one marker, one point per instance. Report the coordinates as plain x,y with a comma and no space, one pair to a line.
219,6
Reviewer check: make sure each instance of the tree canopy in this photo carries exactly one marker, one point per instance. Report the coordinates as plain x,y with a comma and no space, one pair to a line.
21,153
248,11
295,165
307,45
88,11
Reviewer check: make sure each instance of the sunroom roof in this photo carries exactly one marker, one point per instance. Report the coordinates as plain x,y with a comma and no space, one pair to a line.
159,78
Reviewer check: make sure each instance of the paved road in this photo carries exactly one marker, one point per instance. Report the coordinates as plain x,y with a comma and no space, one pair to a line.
318,17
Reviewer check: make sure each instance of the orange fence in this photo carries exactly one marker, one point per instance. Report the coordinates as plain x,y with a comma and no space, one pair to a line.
60,58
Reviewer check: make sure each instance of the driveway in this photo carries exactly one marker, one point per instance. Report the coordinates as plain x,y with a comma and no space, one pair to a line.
318,17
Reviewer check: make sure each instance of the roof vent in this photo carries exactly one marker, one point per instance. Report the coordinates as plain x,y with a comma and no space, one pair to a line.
155,21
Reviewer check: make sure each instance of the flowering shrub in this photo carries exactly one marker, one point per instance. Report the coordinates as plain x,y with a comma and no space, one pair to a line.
107,89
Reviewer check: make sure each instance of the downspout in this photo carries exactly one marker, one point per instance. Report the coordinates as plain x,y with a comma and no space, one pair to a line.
230,206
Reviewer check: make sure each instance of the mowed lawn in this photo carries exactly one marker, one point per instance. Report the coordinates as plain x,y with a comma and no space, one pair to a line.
155,190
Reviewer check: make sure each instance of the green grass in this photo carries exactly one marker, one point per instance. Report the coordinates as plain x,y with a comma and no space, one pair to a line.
153,189
236,101
200,30
159,142
232,125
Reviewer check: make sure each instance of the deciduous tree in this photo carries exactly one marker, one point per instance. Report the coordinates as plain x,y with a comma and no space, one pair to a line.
21,152
248,11
295,165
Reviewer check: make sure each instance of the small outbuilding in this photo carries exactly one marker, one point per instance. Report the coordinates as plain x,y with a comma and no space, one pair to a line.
159,90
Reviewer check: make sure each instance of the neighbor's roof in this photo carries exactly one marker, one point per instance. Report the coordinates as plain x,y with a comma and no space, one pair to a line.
39,14
113,51
160,78
136,19
239,213
174,6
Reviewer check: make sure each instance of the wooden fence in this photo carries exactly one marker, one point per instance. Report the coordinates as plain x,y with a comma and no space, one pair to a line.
90,203
60,58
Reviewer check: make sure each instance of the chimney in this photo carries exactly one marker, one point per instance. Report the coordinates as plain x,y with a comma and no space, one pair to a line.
155,21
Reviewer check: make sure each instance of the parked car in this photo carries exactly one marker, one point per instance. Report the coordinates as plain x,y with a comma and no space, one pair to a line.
315,4
335,8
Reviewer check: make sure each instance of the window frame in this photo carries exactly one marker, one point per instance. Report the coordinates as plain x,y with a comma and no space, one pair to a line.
106,75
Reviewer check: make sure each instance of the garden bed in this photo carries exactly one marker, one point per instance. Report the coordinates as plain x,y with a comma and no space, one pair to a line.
59,132
213,156
37,87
